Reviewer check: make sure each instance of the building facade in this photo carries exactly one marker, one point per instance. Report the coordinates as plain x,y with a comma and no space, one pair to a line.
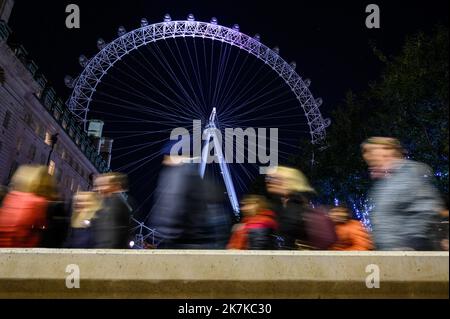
37,128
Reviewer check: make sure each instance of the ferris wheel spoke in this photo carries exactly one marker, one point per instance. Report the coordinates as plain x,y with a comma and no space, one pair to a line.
184,71
186,101
148,161
143,161
136,149
223,61
178,106
217,74
172,74
138,120
257,95
181,107
230,76
226,75
130,105
138,94
132,136
197,74
134,133
148,84
261,108
236,87
248,85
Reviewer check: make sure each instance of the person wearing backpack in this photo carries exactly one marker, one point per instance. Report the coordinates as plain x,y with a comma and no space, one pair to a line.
300,224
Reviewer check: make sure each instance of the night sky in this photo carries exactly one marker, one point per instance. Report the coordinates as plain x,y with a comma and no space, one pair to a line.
328,39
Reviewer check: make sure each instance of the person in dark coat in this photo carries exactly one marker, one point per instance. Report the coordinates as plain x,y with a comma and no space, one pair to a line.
186,211
111,224
58,223
300,225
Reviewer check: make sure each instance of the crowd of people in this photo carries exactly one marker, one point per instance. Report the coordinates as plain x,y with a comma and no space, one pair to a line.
189,212
33,215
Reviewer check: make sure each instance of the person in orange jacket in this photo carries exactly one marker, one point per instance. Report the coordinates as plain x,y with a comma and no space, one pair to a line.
351,233
257,228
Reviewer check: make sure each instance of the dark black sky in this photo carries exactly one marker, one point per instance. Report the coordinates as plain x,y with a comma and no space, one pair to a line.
327,39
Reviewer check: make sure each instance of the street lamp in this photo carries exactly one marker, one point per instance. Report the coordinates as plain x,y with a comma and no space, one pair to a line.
53,140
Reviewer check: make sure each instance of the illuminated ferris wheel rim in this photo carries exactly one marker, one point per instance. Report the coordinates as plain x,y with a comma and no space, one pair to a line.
97,67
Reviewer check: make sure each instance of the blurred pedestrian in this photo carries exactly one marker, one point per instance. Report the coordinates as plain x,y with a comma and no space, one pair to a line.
111,224
351,234
85,207
180,212
58,219
218,217
289,193
300,225
257,229
406,204
23,215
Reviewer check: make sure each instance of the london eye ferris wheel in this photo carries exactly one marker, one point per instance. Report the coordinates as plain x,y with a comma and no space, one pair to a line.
160,76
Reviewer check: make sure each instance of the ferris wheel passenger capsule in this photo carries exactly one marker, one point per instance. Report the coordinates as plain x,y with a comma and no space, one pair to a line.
167,18
276,50
83,60
121,31
319,102
214,20
69,81
144,22
191,17
101,43
257,37
307,82
236,27
293,64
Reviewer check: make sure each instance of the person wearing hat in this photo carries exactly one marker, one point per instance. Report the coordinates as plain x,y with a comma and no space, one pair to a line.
406,204
298,222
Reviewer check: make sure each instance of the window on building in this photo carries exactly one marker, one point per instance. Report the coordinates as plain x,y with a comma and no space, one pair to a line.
56,114
2,76
7,119
38,129
59,176
28,120
51,168
19,144
32,152
48,138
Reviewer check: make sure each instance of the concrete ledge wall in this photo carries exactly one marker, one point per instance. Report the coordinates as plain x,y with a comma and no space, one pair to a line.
41,273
